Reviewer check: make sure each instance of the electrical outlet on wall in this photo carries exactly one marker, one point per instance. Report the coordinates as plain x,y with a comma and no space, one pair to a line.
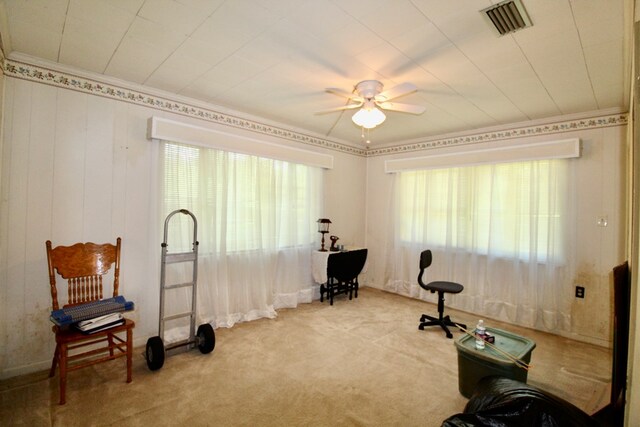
579,291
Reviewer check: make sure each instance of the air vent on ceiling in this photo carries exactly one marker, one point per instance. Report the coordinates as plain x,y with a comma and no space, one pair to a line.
508,16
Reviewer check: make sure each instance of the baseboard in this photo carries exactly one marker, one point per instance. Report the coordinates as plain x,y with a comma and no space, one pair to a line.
25,369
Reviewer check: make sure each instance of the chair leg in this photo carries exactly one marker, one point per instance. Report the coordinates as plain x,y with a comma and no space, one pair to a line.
129,353
443,321
110,341
446,330
63,373
54,362
434,322
61,357
426,317
322,291
447,321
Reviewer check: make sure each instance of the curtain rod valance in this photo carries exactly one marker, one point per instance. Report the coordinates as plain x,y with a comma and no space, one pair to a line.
170,130
567,148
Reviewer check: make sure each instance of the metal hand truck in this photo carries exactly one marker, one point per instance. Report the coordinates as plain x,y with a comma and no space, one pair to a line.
205,337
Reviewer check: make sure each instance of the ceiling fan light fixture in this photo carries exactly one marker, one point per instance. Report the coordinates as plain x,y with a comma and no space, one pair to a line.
369,97
368,118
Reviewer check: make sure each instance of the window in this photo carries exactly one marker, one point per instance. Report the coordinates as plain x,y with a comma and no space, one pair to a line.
242,202
256,221
513,210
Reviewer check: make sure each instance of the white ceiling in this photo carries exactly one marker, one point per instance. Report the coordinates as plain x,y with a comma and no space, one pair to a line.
274,58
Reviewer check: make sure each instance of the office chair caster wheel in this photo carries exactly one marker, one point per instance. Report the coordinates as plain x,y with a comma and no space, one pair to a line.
206,338
155,353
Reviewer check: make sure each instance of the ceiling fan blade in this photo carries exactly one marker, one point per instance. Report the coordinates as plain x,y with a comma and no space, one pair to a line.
344,107
344,93
396,91
403,108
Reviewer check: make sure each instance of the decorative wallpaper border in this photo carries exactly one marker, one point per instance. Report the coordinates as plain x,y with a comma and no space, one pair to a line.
40,74
22,70
607,120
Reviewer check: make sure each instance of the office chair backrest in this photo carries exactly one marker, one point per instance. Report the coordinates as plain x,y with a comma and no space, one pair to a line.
425,261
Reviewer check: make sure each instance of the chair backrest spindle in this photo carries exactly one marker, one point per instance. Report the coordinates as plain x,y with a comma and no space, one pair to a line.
85,289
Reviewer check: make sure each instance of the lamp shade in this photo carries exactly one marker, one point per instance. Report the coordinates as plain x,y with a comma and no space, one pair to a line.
323,225
368,117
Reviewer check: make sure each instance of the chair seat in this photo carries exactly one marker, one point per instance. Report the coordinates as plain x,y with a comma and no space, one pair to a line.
444,286
70,334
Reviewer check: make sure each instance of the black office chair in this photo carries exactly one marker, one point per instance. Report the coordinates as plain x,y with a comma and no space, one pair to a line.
441,287
343,269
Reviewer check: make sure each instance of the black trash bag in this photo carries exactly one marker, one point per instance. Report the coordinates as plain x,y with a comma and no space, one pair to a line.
503,402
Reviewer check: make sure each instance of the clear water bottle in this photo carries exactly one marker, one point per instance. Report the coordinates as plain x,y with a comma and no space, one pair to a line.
480,333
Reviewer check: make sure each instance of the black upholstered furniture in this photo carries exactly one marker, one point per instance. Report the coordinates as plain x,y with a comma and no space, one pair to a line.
505,402
343,269
441,287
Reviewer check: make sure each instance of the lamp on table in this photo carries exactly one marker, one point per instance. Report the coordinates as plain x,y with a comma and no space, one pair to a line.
323,228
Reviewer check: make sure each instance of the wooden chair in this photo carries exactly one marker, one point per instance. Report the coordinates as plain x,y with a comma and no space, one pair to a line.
84,265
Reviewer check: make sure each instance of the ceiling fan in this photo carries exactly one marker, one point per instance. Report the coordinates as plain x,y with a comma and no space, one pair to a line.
368,94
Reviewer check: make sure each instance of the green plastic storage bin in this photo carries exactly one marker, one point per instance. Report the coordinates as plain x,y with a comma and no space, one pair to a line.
474,364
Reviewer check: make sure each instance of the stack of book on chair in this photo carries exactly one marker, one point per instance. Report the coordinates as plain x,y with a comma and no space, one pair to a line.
100,323
93,316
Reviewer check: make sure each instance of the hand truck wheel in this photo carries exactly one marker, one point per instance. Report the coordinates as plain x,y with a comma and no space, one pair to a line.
206,338
155,353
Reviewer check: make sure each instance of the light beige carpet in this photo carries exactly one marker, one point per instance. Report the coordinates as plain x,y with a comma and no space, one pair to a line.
356,363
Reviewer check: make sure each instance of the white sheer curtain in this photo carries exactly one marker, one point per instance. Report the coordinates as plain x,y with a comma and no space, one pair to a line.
256,229
505,231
